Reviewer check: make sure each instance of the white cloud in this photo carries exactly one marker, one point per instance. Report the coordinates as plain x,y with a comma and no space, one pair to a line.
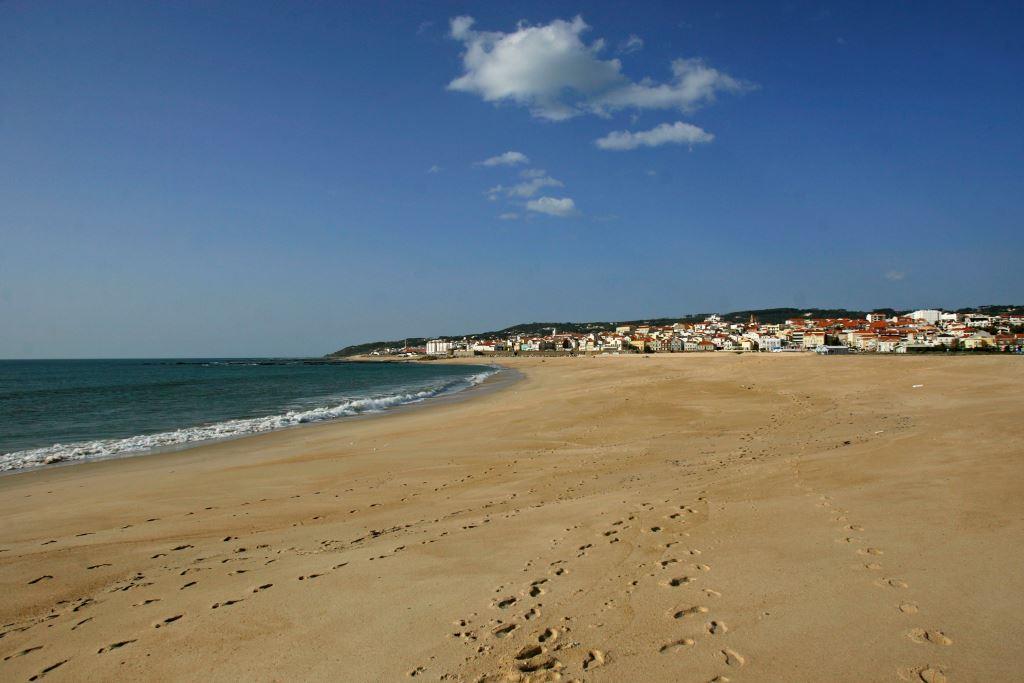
534,180
509,158
895,275
694,83
552,206
631,44
510,216
434,169
551,71
678,133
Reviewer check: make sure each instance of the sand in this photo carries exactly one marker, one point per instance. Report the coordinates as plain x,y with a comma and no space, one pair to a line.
688,517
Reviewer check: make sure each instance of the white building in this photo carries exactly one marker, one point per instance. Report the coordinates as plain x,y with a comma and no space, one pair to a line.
930,316
439,347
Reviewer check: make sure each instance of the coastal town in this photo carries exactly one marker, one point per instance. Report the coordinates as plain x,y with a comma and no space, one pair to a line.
921,331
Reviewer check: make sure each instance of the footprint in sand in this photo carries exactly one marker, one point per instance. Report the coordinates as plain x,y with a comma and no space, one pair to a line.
690,611
226,603
550,635
264,587
594,659
504,630
908,608
544,665
676,645
116,646
733,658
49,669
679,581
168,620
716,627
894,583
921,636
529,652
23,652
45,577
923,674
870,551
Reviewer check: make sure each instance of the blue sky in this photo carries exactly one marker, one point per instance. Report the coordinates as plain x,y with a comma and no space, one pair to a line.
211,179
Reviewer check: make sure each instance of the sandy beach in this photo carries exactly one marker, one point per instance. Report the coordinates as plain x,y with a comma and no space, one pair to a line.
691,517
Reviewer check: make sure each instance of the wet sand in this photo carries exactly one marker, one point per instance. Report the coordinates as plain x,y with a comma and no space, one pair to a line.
673,518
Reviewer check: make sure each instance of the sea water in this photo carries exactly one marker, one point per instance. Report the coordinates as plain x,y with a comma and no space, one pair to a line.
54,411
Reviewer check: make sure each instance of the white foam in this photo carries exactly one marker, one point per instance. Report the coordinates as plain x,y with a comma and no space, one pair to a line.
105,448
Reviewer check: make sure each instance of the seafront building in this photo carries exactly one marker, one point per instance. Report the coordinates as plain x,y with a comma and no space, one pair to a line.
919,331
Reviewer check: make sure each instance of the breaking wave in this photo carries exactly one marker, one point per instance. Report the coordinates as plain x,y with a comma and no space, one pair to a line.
105,448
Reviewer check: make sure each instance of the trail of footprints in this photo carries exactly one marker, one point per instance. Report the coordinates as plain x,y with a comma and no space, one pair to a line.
250,559
698,616
139,582
519,637
869,558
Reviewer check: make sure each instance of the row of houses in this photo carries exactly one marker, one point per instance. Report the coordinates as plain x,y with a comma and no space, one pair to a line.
923,330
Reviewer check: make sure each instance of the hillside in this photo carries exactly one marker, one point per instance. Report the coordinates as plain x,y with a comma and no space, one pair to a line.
763,315
767,315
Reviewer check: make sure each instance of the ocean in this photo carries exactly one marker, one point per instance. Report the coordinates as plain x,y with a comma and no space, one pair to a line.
54,411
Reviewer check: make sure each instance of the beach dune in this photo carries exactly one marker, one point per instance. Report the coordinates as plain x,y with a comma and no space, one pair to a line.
689,517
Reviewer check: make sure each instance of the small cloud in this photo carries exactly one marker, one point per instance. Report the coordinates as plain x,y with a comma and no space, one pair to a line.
434,169
895,275
631,44
509,158
535,180
552,206
667,133
423,27
510,216
841,41
651,172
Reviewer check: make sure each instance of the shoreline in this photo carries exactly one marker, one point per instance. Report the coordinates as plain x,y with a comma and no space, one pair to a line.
664,518
492,382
